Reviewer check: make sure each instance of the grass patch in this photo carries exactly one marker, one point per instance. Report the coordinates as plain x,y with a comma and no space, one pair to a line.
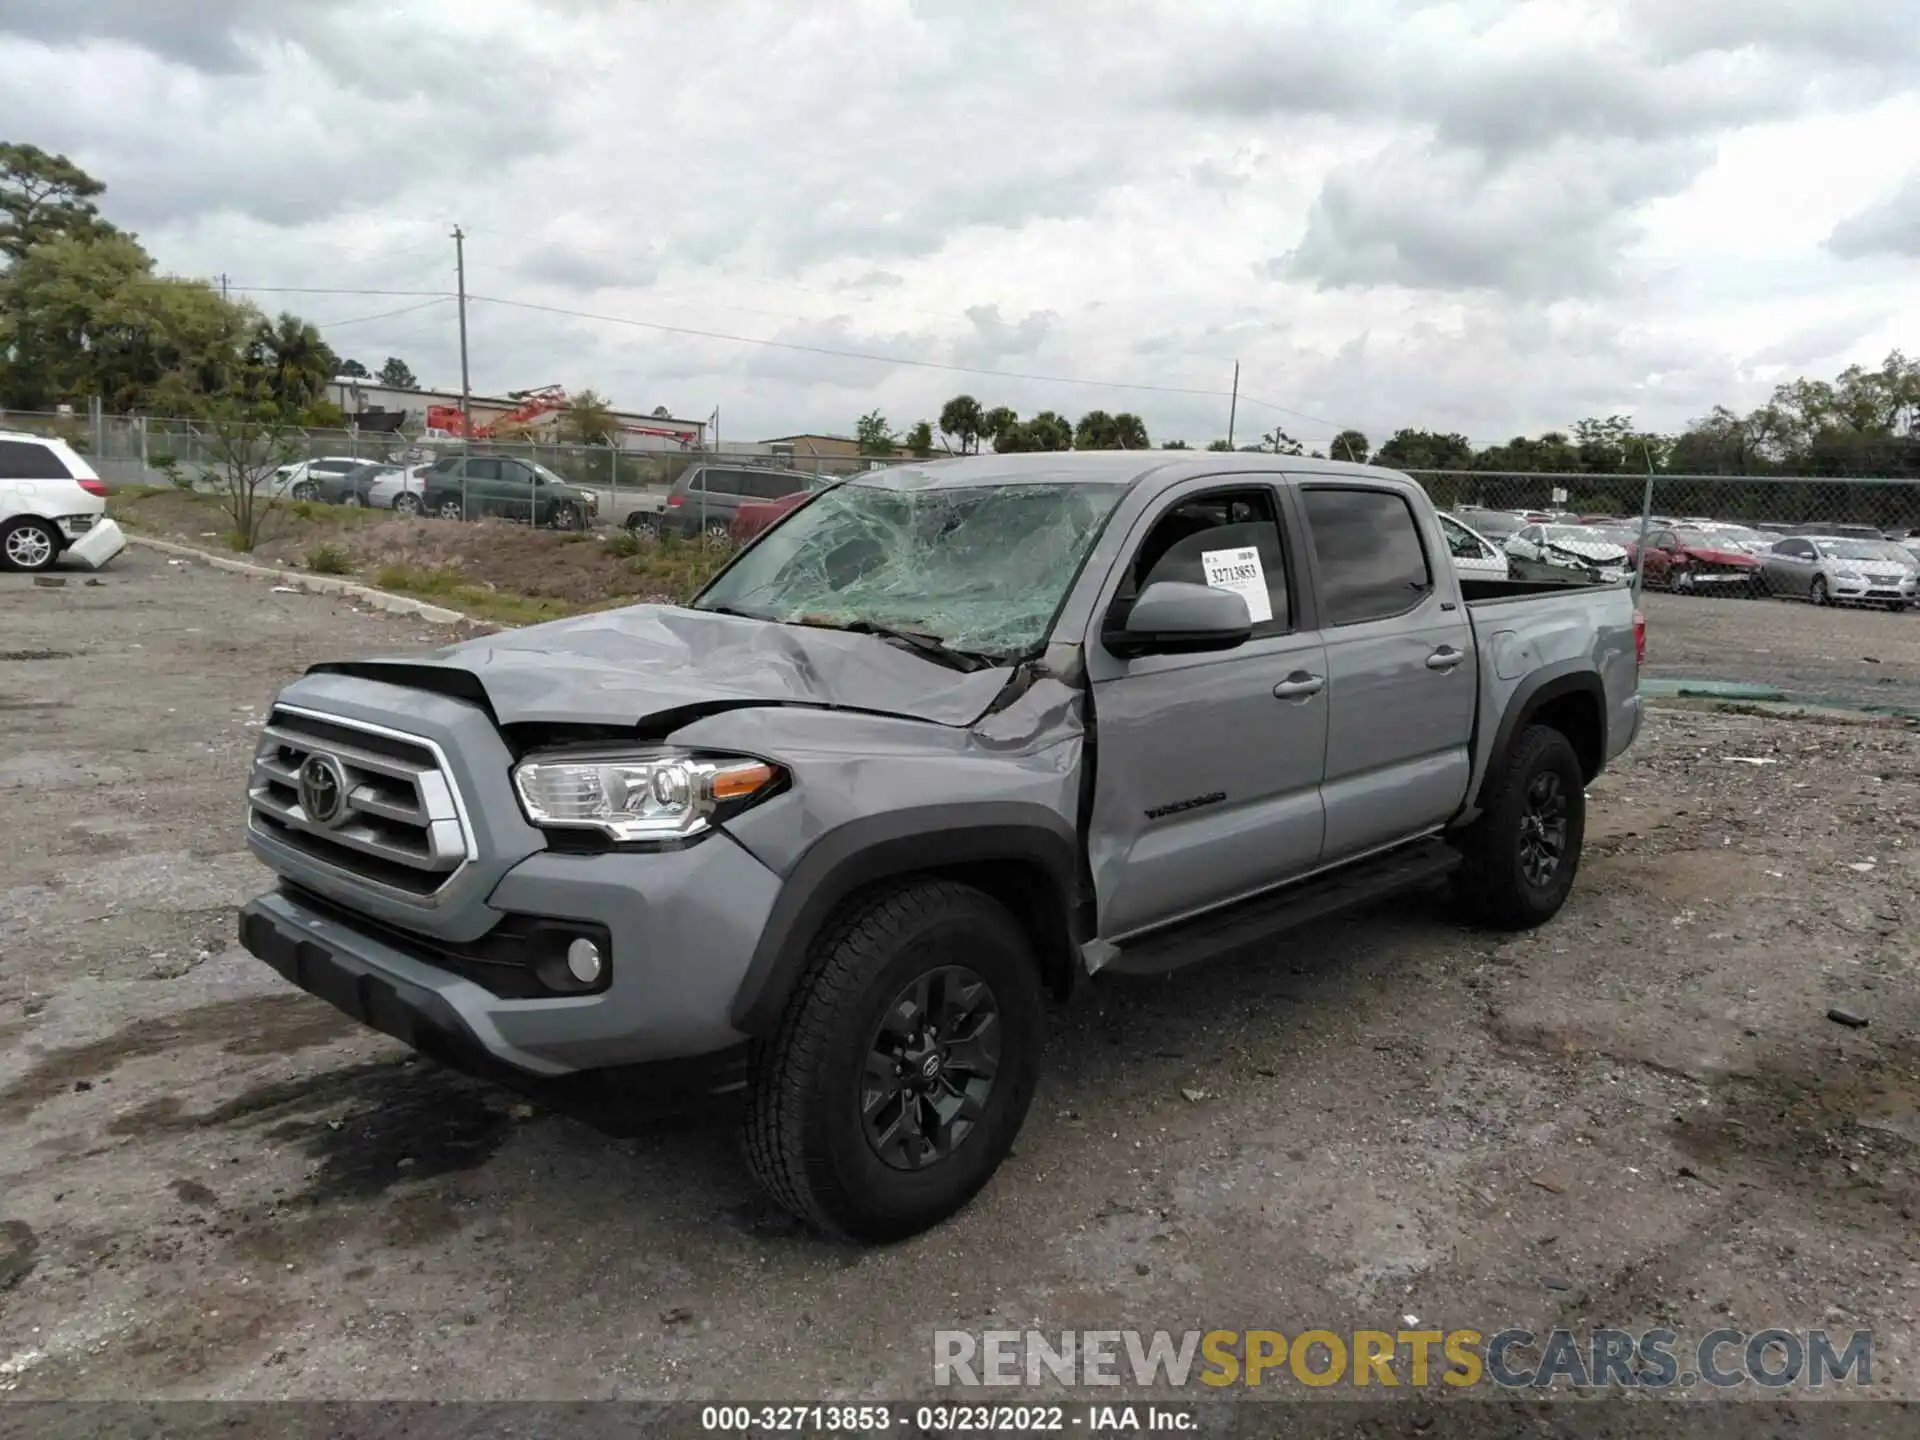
329,559
678,566
444,585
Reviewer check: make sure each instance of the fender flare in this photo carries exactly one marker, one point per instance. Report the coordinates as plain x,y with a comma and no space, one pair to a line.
1538,690
881,847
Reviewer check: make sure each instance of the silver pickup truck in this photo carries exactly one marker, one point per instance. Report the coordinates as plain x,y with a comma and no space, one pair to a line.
947,738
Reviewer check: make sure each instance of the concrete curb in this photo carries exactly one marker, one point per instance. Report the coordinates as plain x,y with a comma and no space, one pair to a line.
314,584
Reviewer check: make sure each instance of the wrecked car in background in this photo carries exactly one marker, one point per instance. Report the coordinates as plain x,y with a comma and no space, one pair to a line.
944,739
1567,552
52,506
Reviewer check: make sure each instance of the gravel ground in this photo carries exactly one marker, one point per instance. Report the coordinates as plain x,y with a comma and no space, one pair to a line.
213,1186
1847,656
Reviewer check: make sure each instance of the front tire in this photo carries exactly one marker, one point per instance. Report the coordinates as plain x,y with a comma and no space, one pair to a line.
1519,859
30,545
1817,591
904,1065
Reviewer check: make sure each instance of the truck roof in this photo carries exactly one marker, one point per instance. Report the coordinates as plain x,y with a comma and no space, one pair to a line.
1099,467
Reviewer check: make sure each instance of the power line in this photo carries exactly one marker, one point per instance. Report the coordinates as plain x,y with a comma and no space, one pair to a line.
326,290
383,315
900,360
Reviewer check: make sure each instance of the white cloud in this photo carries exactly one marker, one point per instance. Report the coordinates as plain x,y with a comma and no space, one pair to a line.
1472,216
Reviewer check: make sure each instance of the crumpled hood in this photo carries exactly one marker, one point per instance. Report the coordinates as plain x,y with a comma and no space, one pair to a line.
621,667
1717,555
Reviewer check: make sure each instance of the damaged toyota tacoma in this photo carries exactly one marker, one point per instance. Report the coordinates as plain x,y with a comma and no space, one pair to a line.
944,740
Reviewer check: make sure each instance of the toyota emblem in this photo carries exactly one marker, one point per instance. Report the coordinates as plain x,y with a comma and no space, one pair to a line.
323,790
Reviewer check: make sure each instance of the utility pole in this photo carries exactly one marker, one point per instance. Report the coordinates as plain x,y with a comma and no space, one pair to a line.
1233,406
466,386
223,286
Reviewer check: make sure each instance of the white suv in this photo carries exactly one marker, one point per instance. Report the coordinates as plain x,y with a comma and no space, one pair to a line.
51,502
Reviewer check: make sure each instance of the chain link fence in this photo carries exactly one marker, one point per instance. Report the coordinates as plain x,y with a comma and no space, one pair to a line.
1764,589
1768,588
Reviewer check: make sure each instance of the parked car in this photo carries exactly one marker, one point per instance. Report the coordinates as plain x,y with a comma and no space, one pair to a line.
830,828
499,487
51,503
1847,532
1826,569
355,486
705,498
1566,552
302,479
400,490
1741,537
750,517
1473,553
1690,561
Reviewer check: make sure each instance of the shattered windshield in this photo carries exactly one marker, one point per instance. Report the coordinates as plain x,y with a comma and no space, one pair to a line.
981,568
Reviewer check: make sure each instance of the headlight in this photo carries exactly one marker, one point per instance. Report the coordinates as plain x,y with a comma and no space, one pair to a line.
668,795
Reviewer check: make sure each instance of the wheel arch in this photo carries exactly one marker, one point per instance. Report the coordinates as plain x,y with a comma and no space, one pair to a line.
1570,698
1024,856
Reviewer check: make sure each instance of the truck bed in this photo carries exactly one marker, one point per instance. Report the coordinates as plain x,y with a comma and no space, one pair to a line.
1482,590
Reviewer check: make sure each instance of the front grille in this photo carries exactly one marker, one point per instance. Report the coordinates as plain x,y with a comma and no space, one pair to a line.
399,825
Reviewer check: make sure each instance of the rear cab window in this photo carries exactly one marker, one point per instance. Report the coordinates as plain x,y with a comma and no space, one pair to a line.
1367,547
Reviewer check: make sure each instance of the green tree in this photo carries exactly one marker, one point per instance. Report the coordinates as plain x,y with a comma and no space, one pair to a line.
396,375
962,418
1045,431
1426,450
919,439
354,370
1350,445
294,362
44,197
1277,442
1220,446
249,440
875,435
996,422
590,420
1175,445
86,316
1097,430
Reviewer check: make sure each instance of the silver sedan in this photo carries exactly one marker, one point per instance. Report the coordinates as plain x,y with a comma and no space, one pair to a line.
1826,570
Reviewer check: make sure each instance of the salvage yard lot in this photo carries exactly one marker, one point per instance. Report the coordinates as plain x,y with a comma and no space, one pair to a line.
212,1185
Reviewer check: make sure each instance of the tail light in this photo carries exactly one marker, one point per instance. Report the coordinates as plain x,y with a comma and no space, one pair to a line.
93,487
674,502
1639,638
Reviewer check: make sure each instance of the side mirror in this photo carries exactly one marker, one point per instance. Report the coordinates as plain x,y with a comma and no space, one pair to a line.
1174,617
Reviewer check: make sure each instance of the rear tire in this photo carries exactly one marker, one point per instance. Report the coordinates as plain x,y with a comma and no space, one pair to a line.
1520,857
30,545
643,526
453,510
843,1074
406,503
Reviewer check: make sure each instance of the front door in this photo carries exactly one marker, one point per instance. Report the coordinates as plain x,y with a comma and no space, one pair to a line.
1401,672
1206,766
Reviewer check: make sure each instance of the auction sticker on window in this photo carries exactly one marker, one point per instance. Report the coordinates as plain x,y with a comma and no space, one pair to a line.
1239,571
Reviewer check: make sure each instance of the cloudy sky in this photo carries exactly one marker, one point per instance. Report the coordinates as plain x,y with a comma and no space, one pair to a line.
1484,216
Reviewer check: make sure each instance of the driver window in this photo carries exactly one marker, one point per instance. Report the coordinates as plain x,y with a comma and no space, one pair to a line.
1177,547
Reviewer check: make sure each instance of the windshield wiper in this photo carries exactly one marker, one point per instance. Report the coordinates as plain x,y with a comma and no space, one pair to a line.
921,641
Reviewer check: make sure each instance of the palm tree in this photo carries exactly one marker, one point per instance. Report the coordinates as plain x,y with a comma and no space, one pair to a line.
1095,432
292,359
1130,432
997,422
1349,445
961,417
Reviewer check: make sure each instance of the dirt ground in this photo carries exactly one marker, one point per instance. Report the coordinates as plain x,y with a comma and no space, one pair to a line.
212,1185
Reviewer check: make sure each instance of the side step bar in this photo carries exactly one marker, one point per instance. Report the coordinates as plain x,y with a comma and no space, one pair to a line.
1208,937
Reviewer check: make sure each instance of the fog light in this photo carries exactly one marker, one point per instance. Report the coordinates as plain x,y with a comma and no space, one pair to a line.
584,962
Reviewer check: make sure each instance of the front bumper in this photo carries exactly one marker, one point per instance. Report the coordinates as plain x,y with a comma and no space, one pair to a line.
684,925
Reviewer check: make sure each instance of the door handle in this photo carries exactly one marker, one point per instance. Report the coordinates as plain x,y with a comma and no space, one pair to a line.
1445,658
1299,685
